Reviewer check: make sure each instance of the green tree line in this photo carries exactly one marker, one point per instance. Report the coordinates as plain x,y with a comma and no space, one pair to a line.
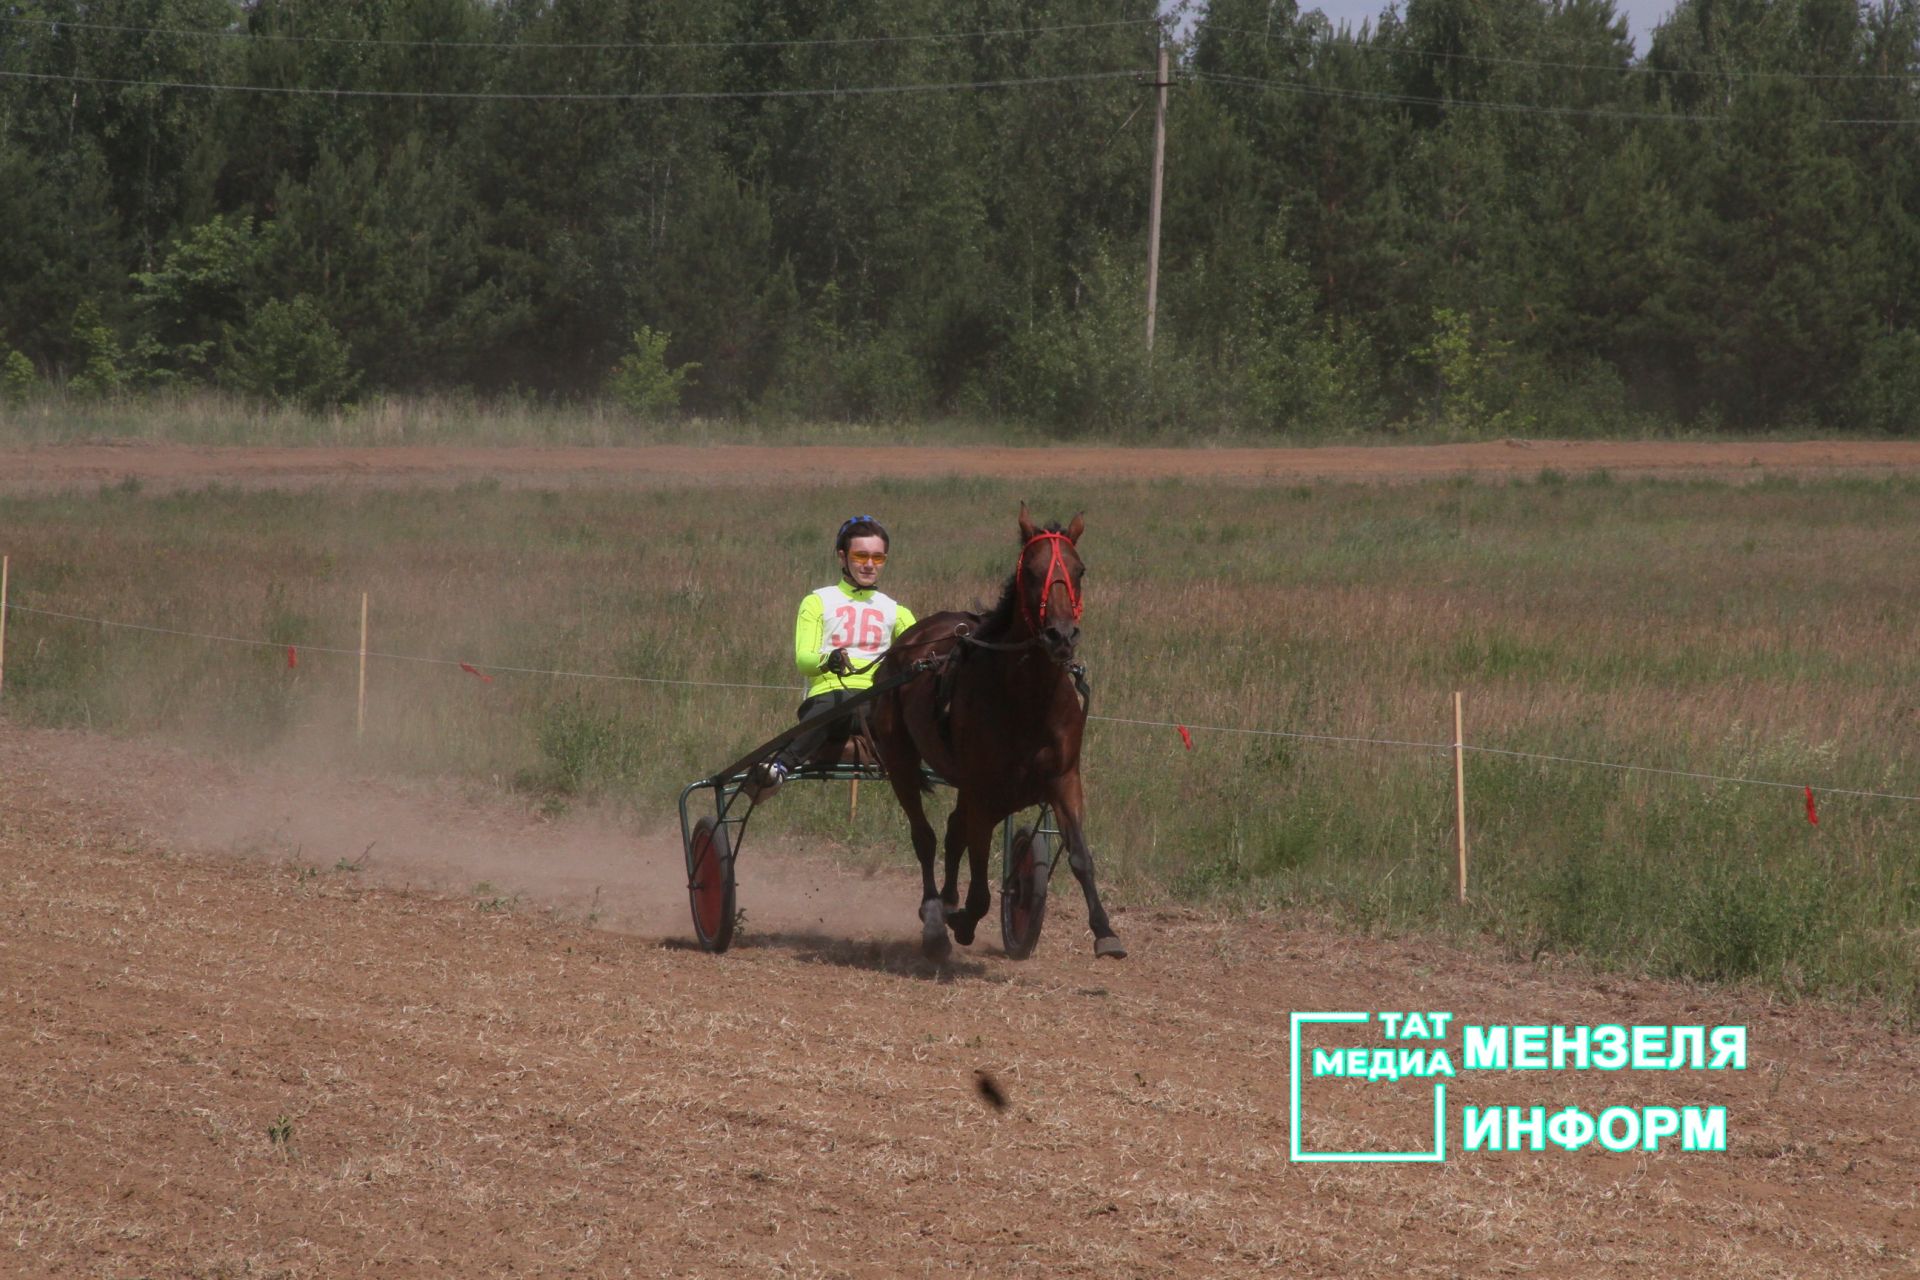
1489,215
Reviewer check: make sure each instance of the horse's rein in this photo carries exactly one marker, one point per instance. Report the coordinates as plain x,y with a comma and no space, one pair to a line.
963,635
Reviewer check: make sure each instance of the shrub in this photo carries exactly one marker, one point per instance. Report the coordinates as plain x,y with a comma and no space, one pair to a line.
16,377
1886,387
198,291
1294,370
1081,363
1484,387
643,381
287,352
100,373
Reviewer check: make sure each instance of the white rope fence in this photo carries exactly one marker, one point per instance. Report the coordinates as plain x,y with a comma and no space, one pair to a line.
1518,755
393,657
1293,735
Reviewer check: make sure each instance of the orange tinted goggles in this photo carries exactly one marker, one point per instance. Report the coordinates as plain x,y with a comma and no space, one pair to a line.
867,557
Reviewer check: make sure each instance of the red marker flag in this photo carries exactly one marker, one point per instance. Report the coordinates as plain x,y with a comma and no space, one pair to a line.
1813,814
472,670
1185,736
293,659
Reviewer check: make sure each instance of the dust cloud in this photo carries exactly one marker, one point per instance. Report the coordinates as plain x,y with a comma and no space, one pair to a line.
307,804
303,806
588,865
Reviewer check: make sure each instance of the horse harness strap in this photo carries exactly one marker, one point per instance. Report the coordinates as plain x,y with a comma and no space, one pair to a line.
1079,673
1054,541
968,639
949,663
944,681
856,703
866,749
860,709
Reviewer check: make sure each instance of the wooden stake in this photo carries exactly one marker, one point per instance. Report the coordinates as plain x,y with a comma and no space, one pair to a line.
1153,207
360,713
3,622
853,802
1460,792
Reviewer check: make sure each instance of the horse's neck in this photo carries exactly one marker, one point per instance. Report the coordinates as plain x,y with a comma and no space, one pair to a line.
1031,676
1032,679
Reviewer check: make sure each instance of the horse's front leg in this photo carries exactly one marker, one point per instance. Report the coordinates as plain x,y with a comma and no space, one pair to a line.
956,839
977,831
903,774
1069,807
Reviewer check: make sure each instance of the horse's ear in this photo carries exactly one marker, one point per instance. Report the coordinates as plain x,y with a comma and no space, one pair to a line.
1076,528
1027,531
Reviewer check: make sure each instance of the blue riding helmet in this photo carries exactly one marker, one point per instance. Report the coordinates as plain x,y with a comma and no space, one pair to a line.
860,527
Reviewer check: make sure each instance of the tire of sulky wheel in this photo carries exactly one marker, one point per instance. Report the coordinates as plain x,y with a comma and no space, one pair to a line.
1023,894
710,885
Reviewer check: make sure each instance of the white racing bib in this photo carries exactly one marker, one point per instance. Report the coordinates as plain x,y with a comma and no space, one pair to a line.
864,628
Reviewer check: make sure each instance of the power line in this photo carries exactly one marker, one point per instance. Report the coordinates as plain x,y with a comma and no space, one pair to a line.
1310,41
1519,108
1639,68
700,95
377,41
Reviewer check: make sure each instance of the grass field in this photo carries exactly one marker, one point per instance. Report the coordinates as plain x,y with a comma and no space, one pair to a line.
1763,630
207,417
204,417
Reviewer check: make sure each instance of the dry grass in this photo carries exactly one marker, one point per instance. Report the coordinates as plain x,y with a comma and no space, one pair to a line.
1759,629
208,417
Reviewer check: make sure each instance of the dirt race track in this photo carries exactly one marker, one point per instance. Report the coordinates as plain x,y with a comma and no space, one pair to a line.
283,1021
238,1041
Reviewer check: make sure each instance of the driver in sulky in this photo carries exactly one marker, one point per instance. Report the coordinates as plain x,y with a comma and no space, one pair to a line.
838,638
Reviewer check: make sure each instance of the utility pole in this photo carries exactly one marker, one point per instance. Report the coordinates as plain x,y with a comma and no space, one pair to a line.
1153,216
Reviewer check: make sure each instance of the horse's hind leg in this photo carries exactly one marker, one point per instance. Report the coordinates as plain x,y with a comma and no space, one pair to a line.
1069,806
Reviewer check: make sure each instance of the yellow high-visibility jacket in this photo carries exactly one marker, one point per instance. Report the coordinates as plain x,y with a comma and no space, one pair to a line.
863,622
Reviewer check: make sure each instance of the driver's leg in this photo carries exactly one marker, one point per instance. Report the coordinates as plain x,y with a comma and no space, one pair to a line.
770,773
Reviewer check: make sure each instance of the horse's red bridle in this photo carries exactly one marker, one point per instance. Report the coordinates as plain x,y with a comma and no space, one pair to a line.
1054,562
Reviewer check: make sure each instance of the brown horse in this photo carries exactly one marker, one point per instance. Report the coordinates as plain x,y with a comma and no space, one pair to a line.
1002,722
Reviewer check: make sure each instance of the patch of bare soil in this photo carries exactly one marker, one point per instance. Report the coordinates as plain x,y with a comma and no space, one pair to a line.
46,468
234,1041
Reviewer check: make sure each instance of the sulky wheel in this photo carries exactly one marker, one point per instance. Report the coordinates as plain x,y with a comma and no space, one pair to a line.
1023,895
710,885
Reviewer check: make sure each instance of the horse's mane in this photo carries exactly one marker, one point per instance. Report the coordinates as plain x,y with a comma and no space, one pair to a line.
996,622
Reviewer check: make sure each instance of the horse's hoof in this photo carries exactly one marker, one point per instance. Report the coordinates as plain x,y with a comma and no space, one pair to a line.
1111,948
934,943
962,930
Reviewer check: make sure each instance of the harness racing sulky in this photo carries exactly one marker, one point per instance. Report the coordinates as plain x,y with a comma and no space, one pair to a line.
990,704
